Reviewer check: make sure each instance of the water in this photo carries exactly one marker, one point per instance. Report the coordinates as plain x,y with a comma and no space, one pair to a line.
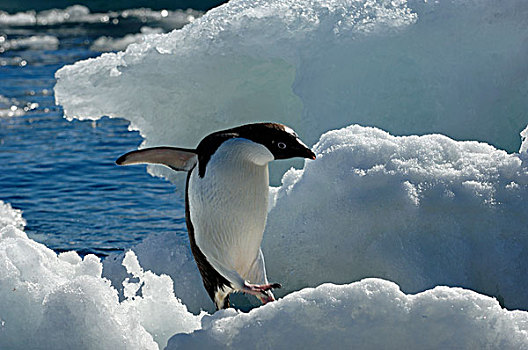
62,174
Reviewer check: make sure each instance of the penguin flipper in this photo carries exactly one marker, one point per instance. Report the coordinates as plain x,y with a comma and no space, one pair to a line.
179,159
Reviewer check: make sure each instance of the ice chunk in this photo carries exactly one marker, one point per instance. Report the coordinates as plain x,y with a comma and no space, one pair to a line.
10,216
524,146
420,211
236,64
162,314
49,301
450,67
35,42
82,14
168,254
106,43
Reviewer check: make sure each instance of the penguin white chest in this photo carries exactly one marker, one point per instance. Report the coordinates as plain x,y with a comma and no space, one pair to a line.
228,206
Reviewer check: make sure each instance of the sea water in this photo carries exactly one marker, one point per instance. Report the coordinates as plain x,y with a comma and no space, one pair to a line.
61,174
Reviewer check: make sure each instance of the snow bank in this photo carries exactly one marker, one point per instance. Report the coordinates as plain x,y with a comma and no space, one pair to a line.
420,211
62,302
371,314
456,68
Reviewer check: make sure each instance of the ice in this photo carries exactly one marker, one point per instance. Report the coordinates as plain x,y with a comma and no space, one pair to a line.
35,42
10,216
82,14
106,43
421,211
166,254
50,301
371,314
62,302
418,210
456,68
524,146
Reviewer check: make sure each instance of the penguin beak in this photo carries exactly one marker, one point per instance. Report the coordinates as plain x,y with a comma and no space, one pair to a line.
304,151
309,154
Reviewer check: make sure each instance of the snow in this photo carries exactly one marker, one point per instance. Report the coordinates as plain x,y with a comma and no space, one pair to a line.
370,314
456,68
418,210
61,301
421,211
106,43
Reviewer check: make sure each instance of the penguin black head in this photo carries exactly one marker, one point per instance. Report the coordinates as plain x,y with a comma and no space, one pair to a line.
279,139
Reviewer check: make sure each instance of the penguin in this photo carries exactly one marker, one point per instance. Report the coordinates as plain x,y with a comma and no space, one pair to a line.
226,202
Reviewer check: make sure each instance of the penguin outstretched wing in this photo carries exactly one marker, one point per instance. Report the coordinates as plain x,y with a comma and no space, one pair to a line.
179,159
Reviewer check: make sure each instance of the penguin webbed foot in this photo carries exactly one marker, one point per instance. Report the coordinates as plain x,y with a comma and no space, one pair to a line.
256,289
261,291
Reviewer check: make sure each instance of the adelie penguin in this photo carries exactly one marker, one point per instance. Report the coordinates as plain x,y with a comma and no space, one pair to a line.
226,202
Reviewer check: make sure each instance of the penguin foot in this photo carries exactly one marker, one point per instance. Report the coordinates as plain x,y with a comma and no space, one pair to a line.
259,289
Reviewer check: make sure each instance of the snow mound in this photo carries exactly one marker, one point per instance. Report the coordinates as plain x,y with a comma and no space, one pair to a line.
418,210
50,301
60,301
370,314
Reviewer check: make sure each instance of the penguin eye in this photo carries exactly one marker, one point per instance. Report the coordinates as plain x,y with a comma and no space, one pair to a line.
281,145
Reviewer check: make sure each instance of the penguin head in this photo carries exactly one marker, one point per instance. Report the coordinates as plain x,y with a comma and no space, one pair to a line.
279,139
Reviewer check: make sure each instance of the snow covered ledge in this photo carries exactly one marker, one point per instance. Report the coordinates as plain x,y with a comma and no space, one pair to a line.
421,211
370,314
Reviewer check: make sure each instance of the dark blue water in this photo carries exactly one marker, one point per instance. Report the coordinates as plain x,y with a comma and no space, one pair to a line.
62,174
